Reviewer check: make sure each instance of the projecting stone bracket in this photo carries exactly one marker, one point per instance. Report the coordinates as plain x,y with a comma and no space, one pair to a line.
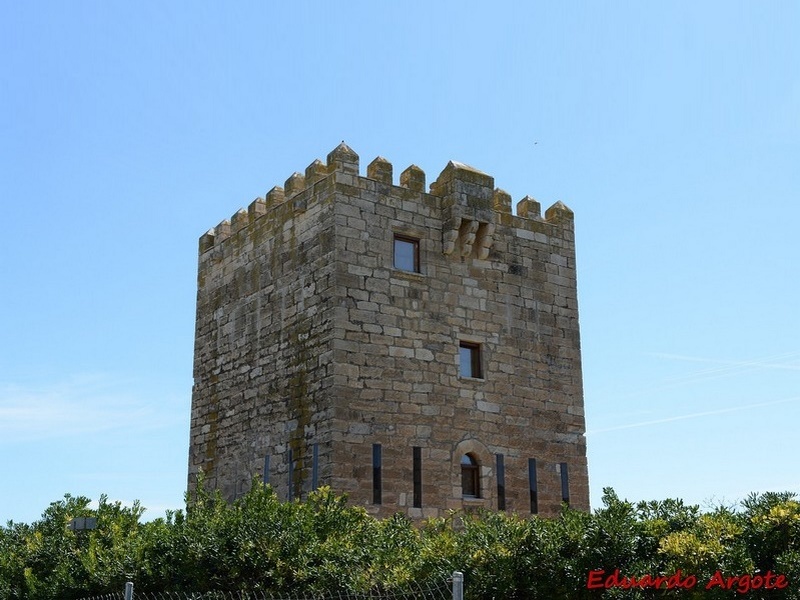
484,240
468,213
467,237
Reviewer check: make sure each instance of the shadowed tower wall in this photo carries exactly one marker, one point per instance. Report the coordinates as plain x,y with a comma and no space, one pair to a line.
418,350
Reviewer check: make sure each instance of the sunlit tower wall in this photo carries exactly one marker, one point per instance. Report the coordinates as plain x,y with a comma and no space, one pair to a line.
416,349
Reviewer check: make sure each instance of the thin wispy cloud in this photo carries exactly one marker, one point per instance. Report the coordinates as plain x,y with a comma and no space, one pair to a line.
789,361
76,406
694,415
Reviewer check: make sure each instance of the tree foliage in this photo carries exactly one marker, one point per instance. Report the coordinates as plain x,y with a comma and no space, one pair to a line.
323,544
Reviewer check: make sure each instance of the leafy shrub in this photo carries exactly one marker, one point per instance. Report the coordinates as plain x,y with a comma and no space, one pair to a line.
259,543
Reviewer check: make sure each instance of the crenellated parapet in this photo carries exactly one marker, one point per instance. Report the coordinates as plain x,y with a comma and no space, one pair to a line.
471,206
341,159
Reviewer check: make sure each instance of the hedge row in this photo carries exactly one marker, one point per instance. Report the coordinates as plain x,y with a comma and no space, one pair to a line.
623,550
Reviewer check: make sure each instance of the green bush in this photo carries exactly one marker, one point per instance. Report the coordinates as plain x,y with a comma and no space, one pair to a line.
323,544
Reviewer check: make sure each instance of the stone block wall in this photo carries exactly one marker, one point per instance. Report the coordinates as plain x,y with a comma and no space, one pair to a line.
265,312
313,347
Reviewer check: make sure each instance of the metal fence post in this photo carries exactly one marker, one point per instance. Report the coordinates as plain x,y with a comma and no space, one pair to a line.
458,585
129,590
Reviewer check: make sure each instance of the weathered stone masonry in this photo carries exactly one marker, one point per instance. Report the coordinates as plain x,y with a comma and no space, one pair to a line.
319,360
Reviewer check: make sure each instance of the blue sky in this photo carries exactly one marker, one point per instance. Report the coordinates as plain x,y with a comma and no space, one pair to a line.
671,129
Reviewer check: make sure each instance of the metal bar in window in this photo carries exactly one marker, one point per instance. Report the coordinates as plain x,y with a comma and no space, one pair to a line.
501,482
533,486
417,477
564,483
314,466
290,470
376,474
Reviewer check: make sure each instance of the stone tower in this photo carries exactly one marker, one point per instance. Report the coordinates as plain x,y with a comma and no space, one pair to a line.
417,350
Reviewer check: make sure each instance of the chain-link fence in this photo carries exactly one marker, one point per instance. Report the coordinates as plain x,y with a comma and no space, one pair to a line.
450,589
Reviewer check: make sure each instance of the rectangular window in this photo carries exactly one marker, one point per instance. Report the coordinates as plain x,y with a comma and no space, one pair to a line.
406,253
533,486
564,483
501,482
376,474
469,355
417,477
266,469
470,477
314,466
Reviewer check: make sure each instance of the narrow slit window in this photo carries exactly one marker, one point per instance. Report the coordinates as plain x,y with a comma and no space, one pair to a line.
501,482
315,467
377,488
406,253
469,355
266,469
417,476
564,468
533,486
470,477
290,472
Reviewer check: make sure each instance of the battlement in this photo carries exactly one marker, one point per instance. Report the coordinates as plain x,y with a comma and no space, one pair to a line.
471,205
